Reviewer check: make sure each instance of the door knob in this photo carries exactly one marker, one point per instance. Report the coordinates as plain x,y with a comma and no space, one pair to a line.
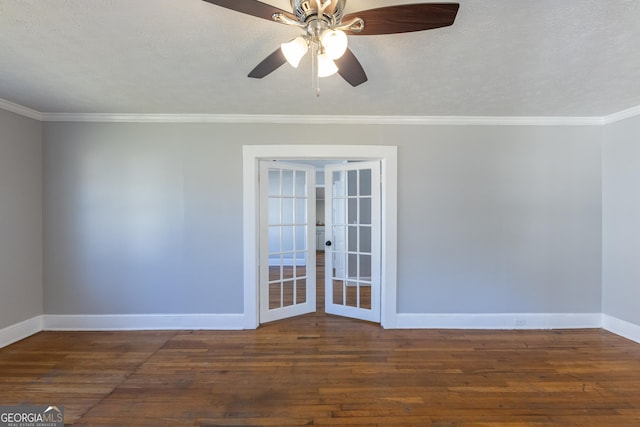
327,243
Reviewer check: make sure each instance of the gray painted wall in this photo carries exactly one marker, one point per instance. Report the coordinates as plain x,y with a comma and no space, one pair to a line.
20,218
147,218
621,220
500,220
141,219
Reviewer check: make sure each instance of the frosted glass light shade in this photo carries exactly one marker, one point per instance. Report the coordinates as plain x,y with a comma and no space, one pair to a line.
294,50
326,66
334,43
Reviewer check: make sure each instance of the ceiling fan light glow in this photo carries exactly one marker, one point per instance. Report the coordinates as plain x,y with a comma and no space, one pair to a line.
326,66
334,42
294,50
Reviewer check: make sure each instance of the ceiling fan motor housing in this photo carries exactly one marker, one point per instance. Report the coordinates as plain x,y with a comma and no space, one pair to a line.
305,9
322,20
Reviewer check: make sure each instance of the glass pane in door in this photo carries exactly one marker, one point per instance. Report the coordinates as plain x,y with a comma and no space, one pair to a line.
288,277
353,205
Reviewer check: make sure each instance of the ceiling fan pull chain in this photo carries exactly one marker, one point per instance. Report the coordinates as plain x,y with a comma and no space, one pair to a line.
326,29
315,75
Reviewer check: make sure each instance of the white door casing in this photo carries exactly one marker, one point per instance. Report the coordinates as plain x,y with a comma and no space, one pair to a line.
387,155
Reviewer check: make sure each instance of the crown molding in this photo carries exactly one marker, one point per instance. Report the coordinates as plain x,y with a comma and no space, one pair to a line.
19,109
325,119
621,115
321,119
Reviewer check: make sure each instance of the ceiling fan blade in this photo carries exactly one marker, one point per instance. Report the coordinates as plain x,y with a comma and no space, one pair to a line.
350,69
405,18
253,8
268,65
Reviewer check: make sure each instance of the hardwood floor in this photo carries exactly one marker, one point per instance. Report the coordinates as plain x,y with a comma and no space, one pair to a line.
324,370
328,371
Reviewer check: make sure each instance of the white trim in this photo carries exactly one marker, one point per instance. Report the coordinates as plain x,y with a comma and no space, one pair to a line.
19,109
322,119
389,236
125,322
325,119
621,327
499,321
621,115
253,153
250,244
26,328
20,331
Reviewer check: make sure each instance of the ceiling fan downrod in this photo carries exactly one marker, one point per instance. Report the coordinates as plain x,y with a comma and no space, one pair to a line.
326,26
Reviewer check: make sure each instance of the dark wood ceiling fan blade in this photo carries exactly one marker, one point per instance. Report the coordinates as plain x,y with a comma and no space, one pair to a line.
268,65
252,7
350,69
405,18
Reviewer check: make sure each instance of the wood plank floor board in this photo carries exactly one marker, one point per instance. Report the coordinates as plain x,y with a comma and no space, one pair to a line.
325,370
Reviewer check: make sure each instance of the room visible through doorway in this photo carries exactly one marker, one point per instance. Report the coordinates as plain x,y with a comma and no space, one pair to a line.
363,222
291,230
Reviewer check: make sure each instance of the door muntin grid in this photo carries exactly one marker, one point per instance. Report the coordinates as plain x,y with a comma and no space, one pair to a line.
288,237
354,248
287,261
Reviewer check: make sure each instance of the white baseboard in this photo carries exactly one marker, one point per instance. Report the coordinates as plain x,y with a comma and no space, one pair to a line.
499,321
20,331
621,327
124,322
26,328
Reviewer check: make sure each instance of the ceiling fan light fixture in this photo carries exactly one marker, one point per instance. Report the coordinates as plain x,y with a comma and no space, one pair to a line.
334,42
294,50
326,66
317,17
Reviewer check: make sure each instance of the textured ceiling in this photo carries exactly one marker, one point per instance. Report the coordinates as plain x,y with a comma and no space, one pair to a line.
569,58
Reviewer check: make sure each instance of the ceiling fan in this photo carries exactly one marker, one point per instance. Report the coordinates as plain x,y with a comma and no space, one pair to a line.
326,28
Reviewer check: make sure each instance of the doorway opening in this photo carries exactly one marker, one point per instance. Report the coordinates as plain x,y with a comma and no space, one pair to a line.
289,231
280,243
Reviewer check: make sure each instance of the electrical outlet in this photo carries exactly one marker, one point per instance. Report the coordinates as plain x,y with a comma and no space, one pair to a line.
521,322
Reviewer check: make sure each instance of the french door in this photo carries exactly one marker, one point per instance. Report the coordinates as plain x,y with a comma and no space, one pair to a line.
287,240
352,251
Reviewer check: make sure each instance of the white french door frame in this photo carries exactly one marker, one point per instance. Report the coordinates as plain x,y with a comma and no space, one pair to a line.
388,157
298,192
345,222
